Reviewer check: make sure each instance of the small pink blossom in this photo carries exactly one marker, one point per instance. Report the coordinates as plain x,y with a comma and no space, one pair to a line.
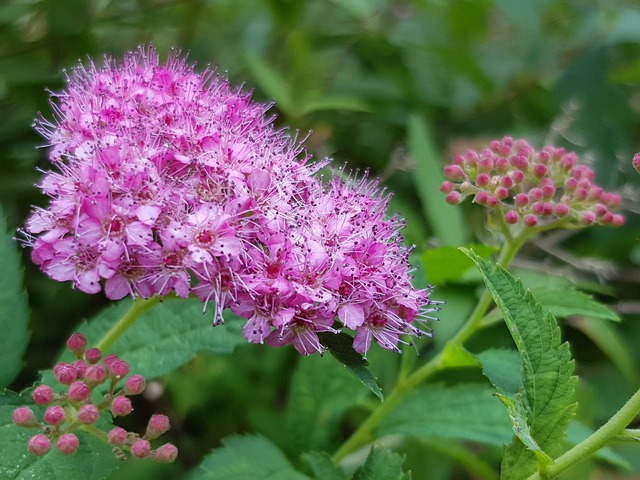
68,443
39,444
166,453
42,395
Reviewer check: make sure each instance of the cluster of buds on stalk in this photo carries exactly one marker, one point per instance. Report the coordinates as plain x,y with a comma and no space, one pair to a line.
75,407
527,188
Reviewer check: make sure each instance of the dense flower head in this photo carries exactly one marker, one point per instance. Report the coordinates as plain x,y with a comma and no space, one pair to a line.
79,404
166,180
520,185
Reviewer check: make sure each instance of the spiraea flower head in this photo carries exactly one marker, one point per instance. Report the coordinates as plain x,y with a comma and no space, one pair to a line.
523,187
167,180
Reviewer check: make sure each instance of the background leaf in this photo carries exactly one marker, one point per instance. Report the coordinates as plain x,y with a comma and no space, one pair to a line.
14,312
568,302
381,463
247,457
464,412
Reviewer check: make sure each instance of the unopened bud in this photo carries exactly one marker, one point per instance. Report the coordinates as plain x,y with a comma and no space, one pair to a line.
121,406
24,417
117,436
39,444
531,220
158,424
93,355
118,369
166,453
65,373
77,343
95,375
141,448
135,385
88,413
636,162
511,217
68,443
42,395
78,391
54,415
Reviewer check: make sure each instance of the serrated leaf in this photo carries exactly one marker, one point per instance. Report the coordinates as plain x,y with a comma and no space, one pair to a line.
94,459
461,412
381,463
446,264
163,338
445,220
568,302
321,391
14,311
546,393
323,467
341,347
502,368
247,457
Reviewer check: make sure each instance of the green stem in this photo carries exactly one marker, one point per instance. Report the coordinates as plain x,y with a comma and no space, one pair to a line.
136,310
600,438
406,383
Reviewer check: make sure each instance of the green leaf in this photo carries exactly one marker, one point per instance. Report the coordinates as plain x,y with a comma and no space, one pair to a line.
445,220
272,83
323,467
544,402
333,102
608,340
320,393
502,368
381,463
164,338
14,311
461,412
445,264
341,347
94,459
568,302
246,458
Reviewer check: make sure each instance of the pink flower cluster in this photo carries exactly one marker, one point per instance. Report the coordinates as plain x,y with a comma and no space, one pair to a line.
75,408
534,188
171,181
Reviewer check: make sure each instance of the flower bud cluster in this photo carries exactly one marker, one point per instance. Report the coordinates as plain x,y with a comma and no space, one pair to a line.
78,406
522,186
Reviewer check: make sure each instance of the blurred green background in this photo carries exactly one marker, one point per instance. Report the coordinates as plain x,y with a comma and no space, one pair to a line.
393,86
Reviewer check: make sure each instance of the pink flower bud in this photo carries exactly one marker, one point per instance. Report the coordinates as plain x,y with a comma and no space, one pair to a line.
595,192
93,355
54,415
65,373
453,198
68,443
521,199
548,189
517,176
520,162
80,366
511,217
454,172
141,448
588,217
617,220
158,424
540,170
571,184
24,417
39,444
121,406
568,161
636,162
611,200
117,436
580,195
471,158
502,165
447,187
492,201
502,193
483,180
506,181
531,220
118,369
562,210
485,164
78,391
481,198
458,160
543,157
88,413
166,453
95,375
110,359
77,343
42,395
535,194
599,209
135,385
